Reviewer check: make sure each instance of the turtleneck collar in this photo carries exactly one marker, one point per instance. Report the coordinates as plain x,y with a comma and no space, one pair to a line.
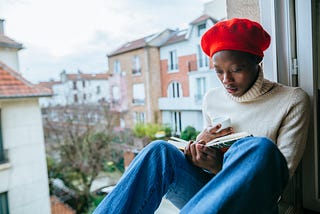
259,88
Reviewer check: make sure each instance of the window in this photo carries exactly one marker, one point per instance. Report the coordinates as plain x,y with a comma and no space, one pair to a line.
136,69
75,98
200,88
138,93
139,117
2,154
83,84
115,93
176,122
174,90
116,67
201,29
4,207
203,60
74,85
173,60
98,89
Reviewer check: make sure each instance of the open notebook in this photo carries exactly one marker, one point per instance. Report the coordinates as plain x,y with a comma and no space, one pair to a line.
221,143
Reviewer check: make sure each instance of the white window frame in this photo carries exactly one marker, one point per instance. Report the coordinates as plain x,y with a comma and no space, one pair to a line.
173,61
174,90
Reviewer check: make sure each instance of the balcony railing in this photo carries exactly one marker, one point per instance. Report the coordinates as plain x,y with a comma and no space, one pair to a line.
198,98
178,104
136,71
172,67
4,156
138,101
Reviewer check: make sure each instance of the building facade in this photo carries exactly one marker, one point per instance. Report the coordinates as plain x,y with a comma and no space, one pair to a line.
186,75
77,88
135,83
24,184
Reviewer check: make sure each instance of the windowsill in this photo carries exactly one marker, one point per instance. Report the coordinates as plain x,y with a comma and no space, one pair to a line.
4,166
173,71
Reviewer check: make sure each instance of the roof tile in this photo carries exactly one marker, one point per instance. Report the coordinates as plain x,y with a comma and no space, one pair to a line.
13,85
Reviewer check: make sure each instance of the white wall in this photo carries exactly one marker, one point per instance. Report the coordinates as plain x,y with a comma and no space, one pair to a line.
26,179
10,58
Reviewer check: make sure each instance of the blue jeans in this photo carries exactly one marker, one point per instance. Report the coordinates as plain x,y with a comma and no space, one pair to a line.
253,176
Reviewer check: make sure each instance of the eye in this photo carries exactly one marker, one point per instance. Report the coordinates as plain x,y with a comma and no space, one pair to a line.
236,70
218,72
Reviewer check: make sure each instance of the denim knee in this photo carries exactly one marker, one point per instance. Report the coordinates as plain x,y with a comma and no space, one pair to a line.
160,145
261,144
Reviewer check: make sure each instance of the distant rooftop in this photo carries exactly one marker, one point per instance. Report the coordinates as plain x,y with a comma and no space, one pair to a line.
203,18
133,45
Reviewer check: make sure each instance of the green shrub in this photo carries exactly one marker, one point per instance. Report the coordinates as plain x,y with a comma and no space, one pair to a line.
150,129
189,133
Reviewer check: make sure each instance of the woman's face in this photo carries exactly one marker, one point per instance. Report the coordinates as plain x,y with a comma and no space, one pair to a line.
236,70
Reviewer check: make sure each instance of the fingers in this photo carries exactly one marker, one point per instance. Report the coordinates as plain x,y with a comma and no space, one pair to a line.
223,132
208,151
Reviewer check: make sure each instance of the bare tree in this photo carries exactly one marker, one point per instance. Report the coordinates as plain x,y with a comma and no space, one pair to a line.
80,140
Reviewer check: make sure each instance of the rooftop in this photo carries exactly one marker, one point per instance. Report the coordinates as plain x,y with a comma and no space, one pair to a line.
13,85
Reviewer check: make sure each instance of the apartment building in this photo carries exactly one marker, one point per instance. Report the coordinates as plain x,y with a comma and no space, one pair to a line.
185,76
77,88
135,83
23,171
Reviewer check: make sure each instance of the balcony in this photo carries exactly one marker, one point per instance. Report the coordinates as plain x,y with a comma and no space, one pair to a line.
175,104
172,67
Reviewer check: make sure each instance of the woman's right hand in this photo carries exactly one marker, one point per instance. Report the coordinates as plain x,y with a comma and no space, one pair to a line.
210,133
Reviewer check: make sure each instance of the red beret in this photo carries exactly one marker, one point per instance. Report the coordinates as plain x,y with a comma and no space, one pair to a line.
235,34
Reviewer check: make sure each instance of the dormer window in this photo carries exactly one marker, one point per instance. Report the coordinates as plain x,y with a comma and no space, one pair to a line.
201,29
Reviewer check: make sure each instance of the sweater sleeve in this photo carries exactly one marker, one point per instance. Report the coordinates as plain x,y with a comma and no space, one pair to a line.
293,132
206,119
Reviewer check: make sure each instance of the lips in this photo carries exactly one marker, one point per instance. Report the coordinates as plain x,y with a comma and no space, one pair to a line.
231,89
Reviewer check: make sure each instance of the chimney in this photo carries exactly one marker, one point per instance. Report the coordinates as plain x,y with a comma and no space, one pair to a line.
1,26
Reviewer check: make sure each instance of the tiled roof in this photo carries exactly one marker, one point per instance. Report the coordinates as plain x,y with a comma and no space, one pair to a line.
48,84
133,45
177,37
13,85
203,18
9,43
80,76
58,207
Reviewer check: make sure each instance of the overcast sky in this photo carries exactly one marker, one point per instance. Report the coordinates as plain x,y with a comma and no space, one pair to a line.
77,34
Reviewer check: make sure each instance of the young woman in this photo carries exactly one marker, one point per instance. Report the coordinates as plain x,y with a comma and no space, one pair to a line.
252,174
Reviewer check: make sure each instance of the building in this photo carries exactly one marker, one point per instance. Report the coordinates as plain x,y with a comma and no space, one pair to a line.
77,88
8,49
136,87
185,76
23,171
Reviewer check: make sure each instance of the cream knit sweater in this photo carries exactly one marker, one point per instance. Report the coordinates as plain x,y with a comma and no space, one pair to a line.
268,109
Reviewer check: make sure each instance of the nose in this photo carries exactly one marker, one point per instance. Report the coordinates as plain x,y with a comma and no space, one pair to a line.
227,77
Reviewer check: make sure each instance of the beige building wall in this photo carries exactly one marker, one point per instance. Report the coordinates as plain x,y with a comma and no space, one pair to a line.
243,9
150,77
